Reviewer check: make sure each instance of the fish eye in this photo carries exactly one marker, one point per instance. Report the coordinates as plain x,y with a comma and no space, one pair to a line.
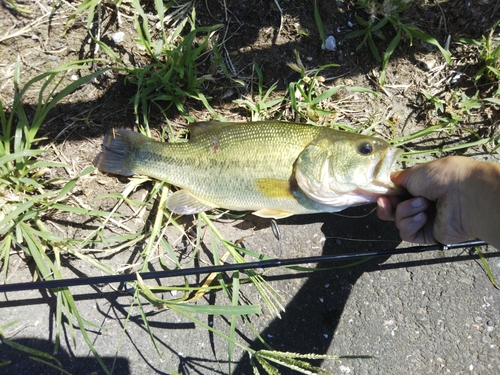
365,148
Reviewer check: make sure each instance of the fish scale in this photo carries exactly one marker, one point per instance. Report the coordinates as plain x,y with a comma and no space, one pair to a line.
237,166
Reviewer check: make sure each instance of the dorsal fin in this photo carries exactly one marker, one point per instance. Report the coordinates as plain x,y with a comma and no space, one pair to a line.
198,128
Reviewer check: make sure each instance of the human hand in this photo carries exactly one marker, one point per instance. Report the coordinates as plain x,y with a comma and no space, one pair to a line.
439,209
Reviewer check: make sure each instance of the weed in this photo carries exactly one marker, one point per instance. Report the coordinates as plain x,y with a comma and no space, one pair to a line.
489,55
308,92
173,76
311,98
381,14
28,197
456,108
262,107
294,361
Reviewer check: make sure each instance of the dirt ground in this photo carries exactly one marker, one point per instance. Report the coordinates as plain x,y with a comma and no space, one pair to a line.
426,313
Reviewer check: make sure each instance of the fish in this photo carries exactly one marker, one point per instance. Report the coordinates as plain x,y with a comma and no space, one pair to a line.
274,169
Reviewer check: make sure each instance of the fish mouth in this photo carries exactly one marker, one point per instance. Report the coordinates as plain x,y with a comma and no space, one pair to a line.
381,173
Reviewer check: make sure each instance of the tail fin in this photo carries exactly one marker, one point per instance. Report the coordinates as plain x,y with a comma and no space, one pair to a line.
118,151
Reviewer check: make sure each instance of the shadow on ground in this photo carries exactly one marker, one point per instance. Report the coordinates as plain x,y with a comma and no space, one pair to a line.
20,363
313,313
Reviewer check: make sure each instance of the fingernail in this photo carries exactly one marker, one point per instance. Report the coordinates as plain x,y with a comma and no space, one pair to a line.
418,202
418,218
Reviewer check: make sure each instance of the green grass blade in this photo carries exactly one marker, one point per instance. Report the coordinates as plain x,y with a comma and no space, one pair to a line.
428,39
319,23
387,54
232,327
59,369
222,310
486,266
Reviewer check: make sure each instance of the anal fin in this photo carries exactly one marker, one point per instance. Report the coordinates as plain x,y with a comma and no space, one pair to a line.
273,213
184,203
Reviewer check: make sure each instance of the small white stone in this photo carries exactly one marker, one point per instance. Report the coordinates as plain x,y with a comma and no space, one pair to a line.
428,64
118,37
345,369
456,77
74,77
330,44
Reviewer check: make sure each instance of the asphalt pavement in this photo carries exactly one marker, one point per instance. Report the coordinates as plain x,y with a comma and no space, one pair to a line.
429,313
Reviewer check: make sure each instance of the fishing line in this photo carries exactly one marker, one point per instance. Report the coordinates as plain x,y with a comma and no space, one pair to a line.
65,283
277,234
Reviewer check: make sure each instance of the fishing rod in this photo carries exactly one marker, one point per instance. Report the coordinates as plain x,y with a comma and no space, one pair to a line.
270,263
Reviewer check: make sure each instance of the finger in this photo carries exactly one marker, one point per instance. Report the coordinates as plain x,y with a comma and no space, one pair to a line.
430,180
415,219
410,228
417,229
385,209
401,178
413,179
411,207
434,179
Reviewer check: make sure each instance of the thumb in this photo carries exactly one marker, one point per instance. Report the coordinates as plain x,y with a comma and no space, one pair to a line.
416,181
401,178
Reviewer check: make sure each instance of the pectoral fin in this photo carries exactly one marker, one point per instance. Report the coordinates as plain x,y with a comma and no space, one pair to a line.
272,213
273,188
184,203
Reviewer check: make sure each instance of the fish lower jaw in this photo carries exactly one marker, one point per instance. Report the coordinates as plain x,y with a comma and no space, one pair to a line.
342,201
323,195
383,187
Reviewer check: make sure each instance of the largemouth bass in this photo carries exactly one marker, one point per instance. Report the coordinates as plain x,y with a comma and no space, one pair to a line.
276,169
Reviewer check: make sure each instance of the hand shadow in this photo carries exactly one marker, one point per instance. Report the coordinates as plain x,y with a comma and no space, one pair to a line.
311,317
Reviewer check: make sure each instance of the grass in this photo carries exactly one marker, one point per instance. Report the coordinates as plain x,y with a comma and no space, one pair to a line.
174,77
488,51
29,198
381,14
